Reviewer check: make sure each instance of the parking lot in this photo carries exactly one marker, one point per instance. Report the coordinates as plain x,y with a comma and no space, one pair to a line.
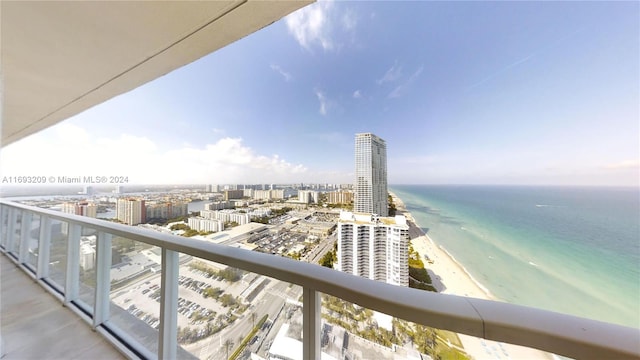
195,311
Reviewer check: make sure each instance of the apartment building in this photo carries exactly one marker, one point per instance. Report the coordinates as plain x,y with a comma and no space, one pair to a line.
308,196
131,211
371,194
166,210
202,224
374,247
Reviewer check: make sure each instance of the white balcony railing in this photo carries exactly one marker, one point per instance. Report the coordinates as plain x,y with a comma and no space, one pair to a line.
557,333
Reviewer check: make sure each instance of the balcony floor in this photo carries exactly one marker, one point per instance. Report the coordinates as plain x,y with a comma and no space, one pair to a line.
35,325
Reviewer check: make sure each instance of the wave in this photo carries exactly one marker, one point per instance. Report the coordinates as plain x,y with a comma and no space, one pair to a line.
533,264
476,282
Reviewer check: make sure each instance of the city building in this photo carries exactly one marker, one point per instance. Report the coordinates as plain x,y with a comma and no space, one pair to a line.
371,195
219,205
340,197
131,211
87,257
212,188
233,194
226,216
374,247
268,195
202,224
308,196
166,210
82,208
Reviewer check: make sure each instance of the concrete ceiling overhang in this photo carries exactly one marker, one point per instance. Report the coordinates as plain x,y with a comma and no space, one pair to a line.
61,58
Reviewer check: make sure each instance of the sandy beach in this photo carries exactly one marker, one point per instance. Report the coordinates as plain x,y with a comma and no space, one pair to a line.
449,277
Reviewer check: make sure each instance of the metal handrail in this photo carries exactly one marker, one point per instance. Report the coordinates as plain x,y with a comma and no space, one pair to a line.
557,333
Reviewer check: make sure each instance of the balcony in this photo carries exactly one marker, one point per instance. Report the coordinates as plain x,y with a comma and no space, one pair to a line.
26,239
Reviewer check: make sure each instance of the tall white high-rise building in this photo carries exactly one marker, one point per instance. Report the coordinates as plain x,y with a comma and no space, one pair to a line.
374,247
371,175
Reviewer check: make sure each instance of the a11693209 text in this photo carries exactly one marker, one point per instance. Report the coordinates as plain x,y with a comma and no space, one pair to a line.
43,179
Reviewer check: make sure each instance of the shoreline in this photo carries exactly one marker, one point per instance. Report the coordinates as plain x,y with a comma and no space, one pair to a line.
447,274
450,277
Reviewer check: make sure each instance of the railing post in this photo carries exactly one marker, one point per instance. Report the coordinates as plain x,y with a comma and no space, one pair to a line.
167,349
73,263
25,236
44,246
103,278
310,324
3,227
12,218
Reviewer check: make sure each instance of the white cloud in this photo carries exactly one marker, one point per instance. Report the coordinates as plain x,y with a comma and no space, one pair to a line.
322,24
310,25
324,103
357,94
394,73
287,76
68,150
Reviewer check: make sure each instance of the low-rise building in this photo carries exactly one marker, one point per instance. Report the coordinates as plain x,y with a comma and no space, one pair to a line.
219,205
202,224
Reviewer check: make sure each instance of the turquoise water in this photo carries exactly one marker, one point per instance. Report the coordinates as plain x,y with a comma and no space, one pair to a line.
574,250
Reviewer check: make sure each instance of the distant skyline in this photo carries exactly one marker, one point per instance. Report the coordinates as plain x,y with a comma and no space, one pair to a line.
522,93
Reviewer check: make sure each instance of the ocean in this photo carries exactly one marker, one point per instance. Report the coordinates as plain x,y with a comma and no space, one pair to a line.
574,250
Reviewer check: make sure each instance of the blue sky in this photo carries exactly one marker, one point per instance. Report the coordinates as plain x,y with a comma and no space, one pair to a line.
462,92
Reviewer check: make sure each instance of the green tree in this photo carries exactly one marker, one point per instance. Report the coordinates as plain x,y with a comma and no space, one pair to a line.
392,206
175,227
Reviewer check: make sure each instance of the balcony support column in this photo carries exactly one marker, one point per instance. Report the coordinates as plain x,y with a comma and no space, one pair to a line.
12,218
103,278
167,349
44,247
311,304
73,263
25,236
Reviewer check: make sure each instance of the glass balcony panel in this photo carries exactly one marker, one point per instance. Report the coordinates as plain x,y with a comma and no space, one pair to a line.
224,311
4,216
135,279
352,331
17,232
33,235
87,267
58,252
